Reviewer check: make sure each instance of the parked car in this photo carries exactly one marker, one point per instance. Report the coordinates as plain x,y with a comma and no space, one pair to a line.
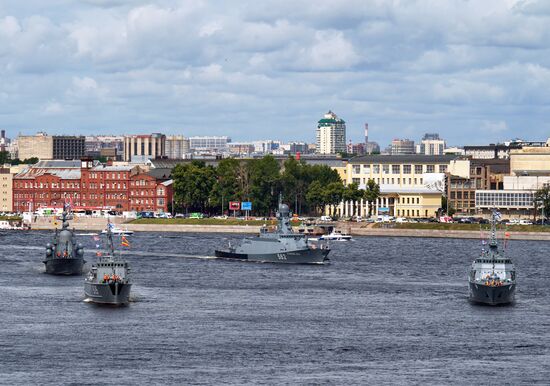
401,220
196,215
446,219
525,222
325,218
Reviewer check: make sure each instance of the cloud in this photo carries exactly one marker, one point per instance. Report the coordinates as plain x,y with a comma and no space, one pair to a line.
495,127
272,68
53,108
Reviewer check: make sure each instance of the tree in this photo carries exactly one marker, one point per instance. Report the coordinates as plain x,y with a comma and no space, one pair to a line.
542,200
315,196
193,183
371,194
30,161
264,184
353,194
227,186
333,193
4,157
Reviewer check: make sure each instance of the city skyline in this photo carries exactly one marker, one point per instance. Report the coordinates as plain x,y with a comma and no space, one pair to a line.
462,69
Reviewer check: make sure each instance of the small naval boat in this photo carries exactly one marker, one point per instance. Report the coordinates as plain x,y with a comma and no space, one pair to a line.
63,255
108,281
118,231
492,277
334,236
279,246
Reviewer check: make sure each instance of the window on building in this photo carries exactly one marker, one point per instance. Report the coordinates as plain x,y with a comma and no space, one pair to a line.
442,168
406,169
386,169
356,169
396,169
376,169
417,169
366,169
430,168
356,180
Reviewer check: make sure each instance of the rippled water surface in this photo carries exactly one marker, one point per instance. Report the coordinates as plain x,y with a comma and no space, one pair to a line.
385,311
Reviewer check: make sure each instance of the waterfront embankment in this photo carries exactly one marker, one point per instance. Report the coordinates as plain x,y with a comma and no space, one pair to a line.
98,224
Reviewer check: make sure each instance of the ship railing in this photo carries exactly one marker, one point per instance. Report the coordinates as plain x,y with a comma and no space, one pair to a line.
318,244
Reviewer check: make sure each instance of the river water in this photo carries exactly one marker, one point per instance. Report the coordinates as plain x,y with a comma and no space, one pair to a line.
385,311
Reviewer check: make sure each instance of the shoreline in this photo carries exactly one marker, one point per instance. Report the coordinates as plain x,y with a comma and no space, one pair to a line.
98,224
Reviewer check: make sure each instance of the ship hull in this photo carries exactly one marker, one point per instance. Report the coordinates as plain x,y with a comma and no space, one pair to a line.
504,294
64,266
104,293
306,256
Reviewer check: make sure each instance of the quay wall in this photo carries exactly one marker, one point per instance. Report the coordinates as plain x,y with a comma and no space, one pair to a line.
97,224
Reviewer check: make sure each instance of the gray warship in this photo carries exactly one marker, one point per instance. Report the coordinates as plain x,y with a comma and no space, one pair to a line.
63,255
492,277
279,246
108,281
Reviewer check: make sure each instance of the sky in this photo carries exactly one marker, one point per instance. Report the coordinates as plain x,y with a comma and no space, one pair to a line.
476,71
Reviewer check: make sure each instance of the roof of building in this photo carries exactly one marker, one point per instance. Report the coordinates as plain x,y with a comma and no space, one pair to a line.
57,164
114,168
330,121
160,173
66,174
171,163
402,158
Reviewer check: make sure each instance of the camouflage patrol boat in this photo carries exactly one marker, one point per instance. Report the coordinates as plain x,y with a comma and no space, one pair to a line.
108,281
63,255
492,277
279,246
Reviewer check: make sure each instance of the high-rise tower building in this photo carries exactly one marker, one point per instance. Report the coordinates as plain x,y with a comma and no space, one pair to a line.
431,144
331,134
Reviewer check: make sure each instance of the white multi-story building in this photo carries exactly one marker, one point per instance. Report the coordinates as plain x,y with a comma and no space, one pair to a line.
177,146
266,147
331,134
431,144
209,144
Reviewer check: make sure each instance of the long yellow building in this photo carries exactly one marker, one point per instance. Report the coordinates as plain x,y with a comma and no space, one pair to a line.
410,185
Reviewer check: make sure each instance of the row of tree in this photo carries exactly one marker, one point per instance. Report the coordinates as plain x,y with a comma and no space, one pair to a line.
541,201
306,188
6,159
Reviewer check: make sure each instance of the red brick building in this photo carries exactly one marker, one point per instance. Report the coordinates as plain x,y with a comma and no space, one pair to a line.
147,193
89,185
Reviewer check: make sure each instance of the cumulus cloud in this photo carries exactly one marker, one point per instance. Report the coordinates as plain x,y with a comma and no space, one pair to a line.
272,68
53,108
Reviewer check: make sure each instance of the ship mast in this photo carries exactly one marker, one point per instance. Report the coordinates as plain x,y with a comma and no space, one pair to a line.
493,244
110,239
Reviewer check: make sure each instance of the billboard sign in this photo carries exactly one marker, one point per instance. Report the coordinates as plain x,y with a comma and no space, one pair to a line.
383,210
246,205
234,205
